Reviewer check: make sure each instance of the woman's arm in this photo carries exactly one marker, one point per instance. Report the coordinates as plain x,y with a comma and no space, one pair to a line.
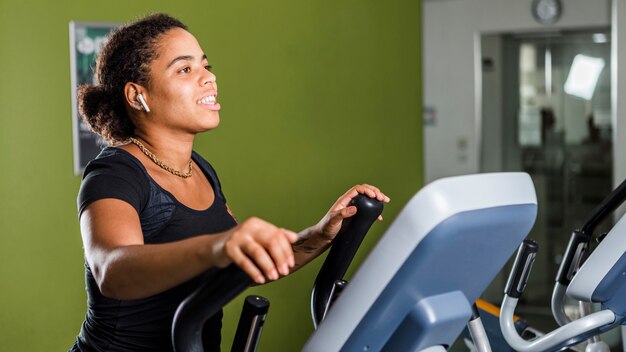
126,268
314,240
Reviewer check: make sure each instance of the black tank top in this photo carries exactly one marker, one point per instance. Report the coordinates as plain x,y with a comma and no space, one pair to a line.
145,324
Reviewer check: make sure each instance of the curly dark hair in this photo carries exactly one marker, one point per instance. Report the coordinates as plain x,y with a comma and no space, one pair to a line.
126,57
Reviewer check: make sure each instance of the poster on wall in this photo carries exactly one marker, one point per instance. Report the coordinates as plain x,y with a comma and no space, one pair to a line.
86,40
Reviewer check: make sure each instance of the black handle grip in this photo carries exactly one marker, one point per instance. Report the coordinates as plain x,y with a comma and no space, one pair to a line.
203,303
250,324
344,247
521,268
575,254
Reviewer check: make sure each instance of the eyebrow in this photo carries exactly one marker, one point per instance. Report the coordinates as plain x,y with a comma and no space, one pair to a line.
184,57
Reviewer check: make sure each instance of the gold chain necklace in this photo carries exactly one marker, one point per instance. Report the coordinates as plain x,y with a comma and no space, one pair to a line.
156,160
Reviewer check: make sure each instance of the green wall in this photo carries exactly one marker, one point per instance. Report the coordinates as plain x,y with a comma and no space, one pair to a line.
316,96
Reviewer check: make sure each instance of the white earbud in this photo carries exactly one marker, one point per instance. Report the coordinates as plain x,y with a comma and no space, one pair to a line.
143,102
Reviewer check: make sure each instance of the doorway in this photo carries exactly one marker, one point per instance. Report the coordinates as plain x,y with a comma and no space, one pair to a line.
546,110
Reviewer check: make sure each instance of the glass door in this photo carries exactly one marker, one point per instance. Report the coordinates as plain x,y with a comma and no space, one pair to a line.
546,110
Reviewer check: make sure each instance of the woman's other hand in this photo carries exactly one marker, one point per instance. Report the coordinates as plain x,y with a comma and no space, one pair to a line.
330,224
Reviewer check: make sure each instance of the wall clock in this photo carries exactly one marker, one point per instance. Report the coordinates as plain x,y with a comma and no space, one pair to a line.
546,11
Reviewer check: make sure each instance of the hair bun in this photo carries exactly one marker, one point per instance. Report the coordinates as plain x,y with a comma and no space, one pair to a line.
91,101
96,107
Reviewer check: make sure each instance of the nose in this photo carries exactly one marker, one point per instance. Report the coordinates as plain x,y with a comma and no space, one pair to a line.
209,78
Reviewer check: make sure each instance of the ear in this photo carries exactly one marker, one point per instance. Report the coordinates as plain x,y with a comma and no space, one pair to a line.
131,90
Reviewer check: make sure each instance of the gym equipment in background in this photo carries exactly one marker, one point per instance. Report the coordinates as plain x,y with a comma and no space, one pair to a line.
598,277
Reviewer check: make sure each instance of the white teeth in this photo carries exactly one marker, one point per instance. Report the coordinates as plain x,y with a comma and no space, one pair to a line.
209,100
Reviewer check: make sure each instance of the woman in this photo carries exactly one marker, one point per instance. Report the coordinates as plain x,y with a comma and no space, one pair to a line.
152,214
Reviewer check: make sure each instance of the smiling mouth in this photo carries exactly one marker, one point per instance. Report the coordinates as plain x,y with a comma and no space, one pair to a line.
208,100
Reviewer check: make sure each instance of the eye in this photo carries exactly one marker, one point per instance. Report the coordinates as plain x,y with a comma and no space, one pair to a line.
185,70
208,67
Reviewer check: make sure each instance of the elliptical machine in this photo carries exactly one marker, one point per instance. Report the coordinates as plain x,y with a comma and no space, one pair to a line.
415,290
231,281
598,277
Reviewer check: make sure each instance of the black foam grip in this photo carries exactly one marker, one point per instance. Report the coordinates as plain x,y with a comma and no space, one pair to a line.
202,304
345,245
521,268
575,253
